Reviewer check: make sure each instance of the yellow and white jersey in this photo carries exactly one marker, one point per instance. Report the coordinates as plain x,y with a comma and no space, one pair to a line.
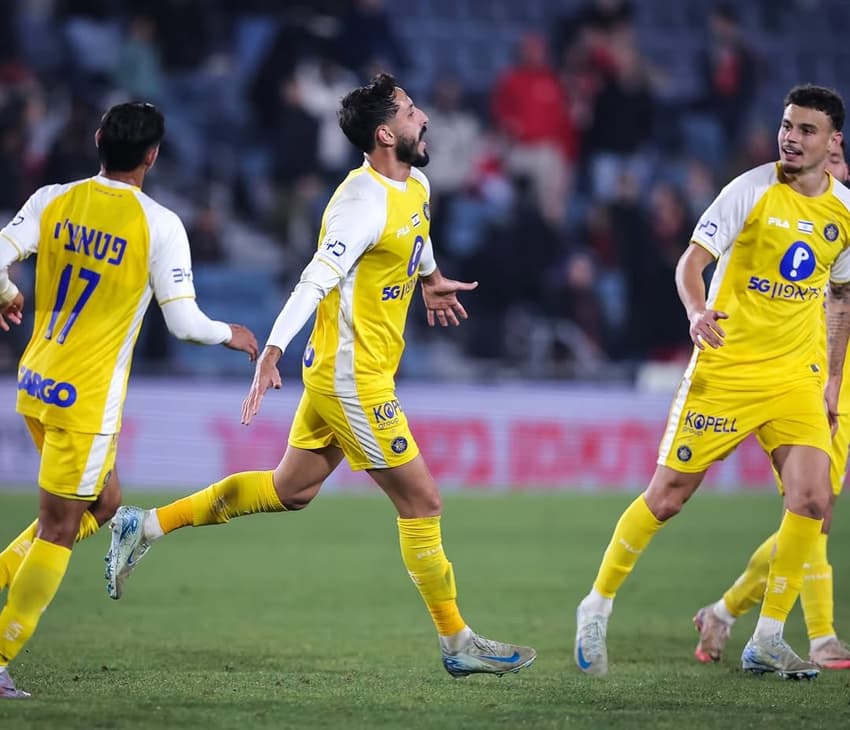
776,249
103,248
373,236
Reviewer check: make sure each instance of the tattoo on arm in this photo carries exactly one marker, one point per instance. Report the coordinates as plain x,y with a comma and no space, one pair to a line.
837,326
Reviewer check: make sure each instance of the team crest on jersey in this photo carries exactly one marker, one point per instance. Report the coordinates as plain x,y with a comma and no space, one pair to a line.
684,453
426,211
830,232
399,445
414,219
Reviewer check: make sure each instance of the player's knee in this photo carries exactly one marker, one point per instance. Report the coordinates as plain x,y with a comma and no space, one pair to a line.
61,530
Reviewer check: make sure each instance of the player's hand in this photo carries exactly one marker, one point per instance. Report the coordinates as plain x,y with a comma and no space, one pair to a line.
243,339
12,312
830,397
266,376
705,329
441,302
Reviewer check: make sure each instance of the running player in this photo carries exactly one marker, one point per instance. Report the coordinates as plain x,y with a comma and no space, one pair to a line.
374,246
714,621
103,249
779,233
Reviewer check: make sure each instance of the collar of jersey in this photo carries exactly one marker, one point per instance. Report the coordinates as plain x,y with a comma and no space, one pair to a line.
397,184
109,182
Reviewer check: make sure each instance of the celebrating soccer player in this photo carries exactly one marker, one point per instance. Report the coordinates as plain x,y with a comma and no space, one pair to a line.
714,621
373,249
778,233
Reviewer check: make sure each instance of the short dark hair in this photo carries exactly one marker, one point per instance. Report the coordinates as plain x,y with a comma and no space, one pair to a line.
366,108
127,132
821,98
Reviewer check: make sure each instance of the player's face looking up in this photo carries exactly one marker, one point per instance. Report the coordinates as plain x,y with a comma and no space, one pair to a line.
409,126
805,138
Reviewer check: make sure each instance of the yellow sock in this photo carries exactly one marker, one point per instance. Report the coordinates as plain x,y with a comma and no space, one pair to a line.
12,557
632,534
245,493
795,543
748,591
430,571
816,593
31,592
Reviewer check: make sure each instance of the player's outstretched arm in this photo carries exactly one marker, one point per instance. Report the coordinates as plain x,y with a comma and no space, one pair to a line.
704,327
441,302
266,376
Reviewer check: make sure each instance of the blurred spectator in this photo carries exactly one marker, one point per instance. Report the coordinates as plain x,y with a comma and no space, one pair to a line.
758,146
73,155
454,144
531,109
367,39
618,140
659,323
205,236
728,76
322,83
295,171
139,70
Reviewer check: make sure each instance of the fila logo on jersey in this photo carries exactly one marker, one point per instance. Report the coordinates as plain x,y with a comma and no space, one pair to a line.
779,222
47,390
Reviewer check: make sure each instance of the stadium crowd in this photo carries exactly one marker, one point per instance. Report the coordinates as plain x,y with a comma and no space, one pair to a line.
565,178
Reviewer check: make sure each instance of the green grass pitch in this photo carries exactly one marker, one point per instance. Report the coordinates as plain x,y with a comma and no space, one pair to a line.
309,621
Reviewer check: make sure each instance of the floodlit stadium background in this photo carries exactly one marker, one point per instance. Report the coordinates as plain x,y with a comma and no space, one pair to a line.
562,376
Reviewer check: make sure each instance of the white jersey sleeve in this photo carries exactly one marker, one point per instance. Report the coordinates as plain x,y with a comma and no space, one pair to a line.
427,262
20,237
171,278
354,221
721,223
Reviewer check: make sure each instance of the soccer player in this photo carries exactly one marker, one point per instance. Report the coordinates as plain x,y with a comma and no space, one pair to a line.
374,246
778,232
103,249
714,621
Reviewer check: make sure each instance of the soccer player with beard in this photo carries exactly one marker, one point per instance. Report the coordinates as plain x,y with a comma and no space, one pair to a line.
714,621
373,248
778,233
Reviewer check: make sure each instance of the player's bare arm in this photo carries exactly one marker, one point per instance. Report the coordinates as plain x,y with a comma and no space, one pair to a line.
704,327
441,302
266,375
837,337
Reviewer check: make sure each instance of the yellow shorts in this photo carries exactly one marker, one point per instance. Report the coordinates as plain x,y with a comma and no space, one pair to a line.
372,435
706,424
837,457
73,465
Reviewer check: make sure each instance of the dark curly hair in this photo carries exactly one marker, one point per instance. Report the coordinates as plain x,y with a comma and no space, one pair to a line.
366,108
